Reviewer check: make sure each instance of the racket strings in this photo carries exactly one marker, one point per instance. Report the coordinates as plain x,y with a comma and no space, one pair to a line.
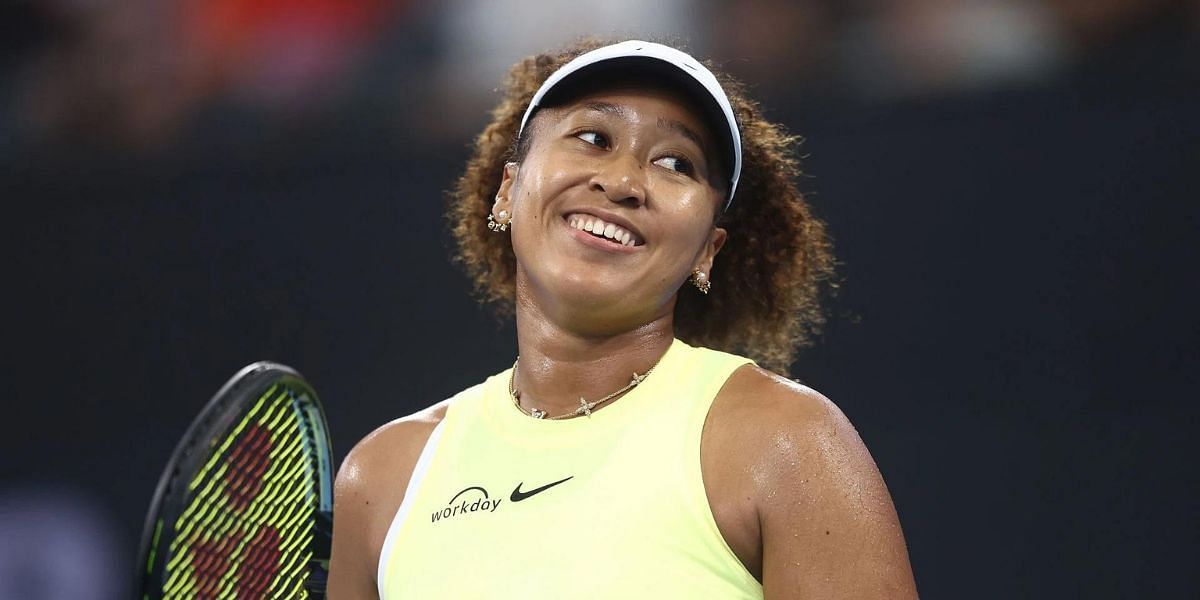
248,525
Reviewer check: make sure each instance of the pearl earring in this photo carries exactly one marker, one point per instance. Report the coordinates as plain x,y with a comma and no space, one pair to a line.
700,280
500,222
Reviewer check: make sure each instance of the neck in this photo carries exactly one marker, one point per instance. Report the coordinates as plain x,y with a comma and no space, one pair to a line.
560,364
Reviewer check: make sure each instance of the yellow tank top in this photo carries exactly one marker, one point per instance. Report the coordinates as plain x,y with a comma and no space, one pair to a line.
612,505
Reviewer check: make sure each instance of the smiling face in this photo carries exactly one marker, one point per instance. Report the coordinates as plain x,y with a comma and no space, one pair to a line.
612,207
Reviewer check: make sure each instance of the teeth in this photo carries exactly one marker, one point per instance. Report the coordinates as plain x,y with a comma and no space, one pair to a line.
600,228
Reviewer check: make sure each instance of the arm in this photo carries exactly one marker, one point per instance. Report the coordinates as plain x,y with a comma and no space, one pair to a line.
367,493
829,528
351,575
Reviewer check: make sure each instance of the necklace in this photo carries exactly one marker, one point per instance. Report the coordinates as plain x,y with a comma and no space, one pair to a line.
585,407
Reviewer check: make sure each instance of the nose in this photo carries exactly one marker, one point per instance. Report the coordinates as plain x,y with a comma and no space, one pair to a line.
622,180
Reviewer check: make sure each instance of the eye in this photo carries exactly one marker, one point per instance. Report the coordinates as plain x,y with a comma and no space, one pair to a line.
676,163
593,138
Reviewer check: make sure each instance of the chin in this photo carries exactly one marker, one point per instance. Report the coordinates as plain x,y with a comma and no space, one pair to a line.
591,296
593,303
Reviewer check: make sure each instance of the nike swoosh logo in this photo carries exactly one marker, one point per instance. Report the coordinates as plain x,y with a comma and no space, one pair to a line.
518,495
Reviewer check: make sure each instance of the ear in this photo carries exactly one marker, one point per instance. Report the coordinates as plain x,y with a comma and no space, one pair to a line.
716,239
504,194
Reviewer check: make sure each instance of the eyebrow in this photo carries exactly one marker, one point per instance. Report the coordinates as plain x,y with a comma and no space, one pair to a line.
674,126
607,108
684,130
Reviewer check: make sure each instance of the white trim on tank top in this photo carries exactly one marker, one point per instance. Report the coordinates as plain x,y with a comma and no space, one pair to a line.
410,494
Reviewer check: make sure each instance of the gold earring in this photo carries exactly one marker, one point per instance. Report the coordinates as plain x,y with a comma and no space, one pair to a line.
500,222
700,280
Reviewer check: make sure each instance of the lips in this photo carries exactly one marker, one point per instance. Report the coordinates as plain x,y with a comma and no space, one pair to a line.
605,228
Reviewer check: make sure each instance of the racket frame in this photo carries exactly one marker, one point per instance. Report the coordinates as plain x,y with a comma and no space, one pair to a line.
214,420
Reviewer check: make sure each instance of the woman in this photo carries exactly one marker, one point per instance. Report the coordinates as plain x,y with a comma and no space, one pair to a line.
623,199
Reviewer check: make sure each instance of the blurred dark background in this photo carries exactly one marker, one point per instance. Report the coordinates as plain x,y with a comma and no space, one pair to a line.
193,185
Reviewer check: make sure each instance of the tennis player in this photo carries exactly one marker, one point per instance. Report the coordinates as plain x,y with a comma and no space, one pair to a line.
639,218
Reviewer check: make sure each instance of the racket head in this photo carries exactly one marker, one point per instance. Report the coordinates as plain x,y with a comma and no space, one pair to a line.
242,509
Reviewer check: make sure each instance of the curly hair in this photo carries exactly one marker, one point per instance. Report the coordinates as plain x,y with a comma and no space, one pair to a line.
769,278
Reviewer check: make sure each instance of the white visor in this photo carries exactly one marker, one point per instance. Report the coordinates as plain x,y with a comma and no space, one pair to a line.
683,62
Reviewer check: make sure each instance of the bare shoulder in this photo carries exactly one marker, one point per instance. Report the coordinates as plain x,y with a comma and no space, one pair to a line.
793,438
399,440
778,417
753,390
369,488
829,528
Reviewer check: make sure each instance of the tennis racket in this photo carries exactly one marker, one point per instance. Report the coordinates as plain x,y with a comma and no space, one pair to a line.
243,509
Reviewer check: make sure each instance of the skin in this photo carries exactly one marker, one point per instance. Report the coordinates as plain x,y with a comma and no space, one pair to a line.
794,491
